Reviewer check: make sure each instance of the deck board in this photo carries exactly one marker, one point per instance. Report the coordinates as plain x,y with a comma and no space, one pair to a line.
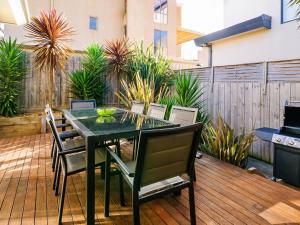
224,194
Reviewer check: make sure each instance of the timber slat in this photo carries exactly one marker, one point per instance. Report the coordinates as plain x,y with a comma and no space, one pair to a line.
224,194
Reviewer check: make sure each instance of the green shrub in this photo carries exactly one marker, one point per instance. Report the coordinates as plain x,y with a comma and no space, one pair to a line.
89,83
12,70
220,141
150,66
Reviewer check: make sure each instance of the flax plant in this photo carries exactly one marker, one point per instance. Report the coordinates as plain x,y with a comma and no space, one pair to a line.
220,141
140,90
50,32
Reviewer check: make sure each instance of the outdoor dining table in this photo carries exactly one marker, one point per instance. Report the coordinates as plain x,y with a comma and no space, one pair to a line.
100,129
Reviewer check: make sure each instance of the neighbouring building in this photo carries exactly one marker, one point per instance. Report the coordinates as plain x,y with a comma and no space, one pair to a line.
255,31
153,22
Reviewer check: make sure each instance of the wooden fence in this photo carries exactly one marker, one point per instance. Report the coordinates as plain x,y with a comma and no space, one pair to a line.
247,96
251,95
35,85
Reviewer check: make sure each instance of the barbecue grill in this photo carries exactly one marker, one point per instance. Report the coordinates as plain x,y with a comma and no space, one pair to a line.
286,144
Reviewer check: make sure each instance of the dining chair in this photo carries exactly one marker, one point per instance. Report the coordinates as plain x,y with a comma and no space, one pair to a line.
157,111
183,115
63,135
137,107
73,161
165,157
83,104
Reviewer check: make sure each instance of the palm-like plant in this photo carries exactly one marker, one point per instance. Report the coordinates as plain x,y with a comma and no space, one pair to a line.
118,52
12,70
49,33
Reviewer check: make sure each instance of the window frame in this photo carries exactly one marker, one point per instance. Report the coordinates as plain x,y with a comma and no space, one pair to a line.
282,12
96,21
162,16
160,47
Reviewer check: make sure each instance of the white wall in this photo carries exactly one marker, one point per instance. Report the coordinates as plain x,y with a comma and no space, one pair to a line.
279,43
109,13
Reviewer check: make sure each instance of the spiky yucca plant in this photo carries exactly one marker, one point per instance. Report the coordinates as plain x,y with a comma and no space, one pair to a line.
89,83
50,32
139,90
220,141
118,52
12,70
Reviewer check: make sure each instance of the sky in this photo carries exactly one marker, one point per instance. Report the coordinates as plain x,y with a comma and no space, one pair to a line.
204,16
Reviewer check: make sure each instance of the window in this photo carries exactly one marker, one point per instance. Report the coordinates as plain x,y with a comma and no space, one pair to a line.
161,41
288,12
93,23
161,11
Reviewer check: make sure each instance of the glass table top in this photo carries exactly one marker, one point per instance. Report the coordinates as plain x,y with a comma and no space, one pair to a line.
120,121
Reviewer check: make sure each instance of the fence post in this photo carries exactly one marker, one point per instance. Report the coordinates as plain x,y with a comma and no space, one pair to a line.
212,74
265,76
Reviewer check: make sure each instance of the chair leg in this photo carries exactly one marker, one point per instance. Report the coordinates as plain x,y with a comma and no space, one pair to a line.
192,204
52,149
62,199
54,157
122,199
55,176
136,208
107,185
133,150
57,180
102,167
194,175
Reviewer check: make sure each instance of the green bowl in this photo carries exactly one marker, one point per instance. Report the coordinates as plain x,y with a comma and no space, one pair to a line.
106,112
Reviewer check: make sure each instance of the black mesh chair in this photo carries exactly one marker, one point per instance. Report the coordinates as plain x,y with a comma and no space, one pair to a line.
73,161
157,111
83,104
64,135
164,165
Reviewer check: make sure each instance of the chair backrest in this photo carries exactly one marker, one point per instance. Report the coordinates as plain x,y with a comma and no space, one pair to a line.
137,107
83,104
55,135
49,112
54,132
183,115
166,153
157,110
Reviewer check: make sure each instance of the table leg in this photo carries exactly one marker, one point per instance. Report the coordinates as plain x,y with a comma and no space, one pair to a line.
107,185
90,181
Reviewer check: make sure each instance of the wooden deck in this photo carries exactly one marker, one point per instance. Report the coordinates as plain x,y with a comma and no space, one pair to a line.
224,194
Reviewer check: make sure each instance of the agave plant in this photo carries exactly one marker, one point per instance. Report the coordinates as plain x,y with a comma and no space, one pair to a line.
221,142
49,33
139,90
89,83
169,101
12,70
118,52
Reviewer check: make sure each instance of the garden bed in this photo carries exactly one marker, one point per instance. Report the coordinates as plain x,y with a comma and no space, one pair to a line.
21,125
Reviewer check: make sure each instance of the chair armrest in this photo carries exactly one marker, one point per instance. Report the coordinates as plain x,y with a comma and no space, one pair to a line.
121,164
75,150
60,119
61,125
